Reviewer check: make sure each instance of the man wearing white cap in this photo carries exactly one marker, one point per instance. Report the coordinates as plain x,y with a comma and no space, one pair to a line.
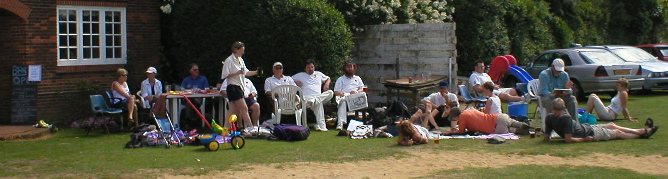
553,78
151,88
277,79
315,85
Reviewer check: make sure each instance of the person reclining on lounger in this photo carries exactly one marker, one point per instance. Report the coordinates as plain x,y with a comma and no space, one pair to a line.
572,131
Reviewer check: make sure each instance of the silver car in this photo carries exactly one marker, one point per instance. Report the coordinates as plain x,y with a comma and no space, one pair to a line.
655,71
590,69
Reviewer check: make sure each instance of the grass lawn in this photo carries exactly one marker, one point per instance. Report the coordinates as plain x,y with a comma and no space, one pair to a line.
71,154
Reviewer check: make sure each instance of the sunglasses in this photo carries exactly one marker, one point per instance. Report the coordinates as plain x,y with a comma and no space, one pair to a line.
278,68
124,75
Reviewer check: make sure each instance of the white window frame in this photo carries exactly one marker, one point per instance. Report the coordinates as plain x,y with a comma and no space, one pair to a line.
102,40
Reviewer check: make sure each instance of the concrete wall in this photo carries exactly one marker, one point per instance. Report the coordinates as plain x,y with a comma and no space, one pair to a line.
385,52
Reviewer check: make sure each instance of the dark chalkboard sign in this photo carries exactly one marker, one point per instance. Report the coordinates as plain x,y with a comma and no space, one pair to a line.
24,97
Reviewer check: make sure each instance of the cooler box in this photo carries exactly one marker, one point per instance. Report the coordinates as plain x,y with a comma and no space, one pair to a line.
517,109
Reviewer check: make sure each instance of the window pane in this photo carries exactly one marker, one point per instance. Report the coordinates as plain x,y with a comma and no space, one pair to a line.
62,15
86,40
96,52
63,53
117,16
73,15
72,28
62,28
117,40
73,53
109,41
86,28
86,53
95,28
117,28
95,16
96,40
108,28
118,51
110,53
86,16
62,40
72,40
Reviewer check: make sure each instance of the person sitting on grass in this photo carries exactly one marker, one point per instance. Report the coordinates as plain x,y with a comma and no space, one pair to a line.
411,134
493,104
572,131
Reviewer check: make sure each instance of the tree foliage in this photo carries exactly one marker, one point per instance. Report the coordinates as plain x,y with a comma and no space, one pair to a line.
289,31
373,12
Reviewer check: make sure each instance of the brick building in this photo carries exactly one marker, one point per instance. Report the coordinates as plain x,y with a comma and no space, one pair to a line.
72,41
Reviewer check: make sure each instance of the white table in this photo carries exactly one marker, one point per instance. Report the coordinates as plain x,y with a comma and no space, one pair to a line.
174,103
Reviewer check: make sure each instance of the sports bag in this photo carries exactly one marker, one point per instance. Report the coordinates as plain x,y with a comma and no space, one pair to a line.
291,132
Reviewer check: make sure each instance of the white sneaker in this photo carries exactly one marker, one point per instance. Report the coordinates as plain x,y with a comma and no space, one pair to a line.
339,126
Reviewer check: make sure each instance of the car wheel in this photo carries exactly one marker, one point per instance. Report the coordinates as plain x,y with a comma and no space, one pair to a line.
577,91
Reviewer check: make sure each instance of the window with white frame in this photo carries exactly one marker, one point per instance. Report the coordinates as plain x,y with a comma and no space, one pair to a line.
90,35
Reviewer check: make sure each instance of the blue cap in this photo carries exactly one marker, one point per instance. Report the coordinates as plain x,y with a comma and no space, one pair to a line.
443,84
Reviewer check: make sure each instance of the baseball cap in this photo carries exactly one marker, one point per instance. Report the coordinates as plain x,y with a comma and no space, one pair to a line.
349,62
558,64
278,64
443,84
151,70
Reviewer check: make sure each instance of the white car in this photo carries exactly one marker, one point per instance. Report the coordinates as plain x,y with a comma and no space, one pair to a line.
655,71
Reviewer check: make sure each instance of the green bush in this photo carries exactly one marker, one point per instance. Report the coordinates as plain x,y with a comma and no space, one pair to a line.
290,31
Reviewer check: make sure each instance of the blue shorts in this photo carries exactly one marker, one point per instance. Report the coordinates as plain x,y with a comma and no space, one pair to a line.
234,92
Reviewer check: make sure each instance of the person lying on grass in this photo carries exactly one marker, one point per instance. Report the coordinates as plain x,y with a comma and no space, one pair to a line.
572,131
472,120
410,134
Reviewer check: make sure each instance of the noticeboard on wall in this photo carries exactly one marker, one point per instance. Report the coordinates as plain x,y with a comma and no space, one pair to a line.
24,96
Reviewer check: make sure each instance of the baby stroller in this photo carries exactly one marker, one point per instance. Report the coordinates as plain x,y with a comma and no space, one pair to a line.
166,131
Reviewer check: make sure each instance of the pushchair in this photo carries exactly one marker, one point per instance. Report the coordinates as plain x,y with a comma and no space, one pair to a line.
167,133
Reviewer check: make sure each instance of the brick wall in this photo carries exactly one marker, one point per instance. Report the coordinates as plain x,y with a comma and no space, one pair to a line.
385,52
34,42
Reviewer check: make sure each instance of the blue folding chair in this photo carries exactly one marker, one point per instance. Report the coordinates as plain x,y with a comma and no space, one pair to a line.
468,99
99,108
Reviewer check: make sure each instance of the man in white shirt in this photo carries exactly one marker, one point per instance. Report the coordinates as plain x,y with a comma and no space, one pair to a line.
250,96
277,79
479,77
313,83
439,100
346,85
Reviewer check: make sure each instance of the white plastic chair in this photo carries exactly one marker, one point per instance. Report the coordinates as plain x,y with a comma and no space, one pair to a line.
533,87
289,100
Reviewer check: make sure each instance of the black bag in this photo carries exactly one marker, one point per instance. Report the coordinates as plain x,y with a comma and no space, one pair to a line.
398,108
291,132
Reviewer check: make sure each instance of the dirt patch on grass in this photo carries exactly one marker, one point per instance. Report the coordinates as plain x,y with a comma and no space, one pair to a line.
426,162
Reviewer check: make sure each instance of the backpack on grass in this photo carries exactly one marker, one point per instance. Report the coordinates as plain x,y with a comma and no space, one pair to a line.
291,132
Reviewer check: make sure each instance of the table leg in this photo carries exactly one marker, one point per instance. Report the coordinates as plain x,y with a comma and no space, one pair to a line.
221,110
174,110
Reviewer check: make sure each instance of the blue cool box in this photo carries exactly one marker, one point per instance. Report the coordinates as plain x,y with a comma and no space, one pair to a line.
517,109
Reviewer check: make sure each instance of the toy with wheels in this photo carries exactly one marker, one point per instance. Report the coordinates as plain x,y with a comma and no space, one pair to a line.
221,135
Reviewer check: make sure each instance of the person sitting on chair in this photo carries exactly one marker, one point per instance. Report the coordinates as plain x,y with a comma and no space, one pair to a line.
194,81
493,104
151,88
121,90
479,77
346,85
315,86
553,78
572,131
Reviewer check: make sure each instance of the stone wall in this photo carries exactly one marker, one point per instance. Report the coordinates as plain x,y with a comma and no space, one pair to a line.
385,52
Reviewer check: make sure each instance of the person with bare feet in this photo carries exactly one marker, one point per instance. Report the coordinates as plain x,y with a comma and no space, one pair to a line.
572,131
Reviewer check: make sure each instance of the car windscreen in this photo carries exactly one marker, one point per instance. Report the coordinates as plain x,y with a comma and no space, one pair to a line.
600,57
663,50
634,55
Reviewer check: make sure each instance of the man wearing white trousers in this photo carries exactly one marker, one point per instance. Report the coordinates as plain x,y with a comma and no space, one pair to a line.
346,85
313,83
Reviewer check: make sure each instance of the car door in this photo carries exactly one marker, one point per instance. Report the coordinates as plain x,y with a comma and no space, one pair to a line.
541,63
